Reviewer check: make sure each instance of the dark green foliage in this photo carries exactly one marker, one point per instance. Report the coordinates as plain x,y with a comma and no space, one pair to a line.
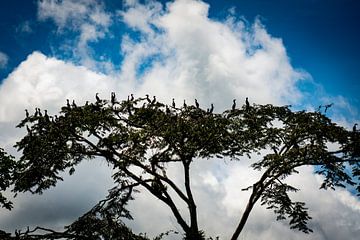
7,166
141,138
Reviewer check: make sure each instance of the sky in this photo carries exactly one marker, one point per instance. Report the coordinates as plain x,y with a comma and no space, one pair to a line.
301,52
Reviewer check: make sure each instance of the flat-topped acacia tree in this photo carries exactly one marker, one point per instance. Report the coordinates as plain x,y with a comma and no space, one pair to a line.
140,138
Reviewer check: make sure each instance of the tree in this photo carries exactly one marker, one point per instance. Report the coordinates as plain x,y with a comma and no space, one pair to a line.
140,138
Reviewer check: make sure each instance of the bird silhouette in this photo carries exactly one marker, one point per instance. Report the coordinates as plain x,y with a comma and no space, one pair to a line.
173,103
73,103
211,108
154,100
247,102
185,104
26,113
354,127
234,105
196,103
147,98
113,98
98,100
68,103
46,116
132,97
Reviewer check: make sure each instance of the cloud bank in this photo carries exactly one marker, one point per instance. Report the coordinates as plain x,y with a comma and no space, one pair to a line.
172,51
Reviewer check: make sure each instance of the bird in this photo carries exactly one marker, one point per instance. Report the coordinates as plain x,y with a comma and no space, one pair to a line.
196,103
328,106
26,113
354,127
234,105
173,103
46,116
154,100
39,112
247,102
184,104
147,98
73,103
132,97
97,98
113,98
68,103
211,108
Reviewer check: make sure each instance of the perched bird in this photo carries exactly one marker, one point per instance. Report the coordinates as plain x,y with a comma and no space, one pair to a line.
46,116
196,103
132,97
173,103
185,104
68,103
113,98
234,105
98,100
26,113
211,108
73,103
247,102
147,98
39,112
154,100
354,127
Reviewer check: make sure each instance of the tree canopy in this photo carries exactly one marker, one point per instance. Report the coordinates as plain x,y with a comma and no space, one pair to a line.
140,138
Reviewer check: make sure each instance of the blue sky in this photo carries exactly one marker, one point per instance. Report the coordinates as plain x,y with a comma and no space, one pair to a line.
299,52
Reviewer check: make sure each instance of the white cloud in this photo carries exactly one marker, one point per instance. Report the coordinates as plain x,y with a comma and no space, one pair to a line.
186,55
87,18
47,83
3,60
206,58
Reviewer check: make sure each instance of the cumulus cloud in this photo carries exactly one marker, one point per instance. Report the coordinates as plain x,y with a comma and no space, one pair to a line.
178,52
192,55
3,60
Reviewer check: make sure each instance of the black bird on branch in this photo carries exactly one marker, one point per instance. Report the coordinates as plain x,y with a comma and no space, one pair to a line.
47,116
247,103
234,105
211,108
185,104
132,97
113,98
173,103
26,113
154,100
147,98
74,104
68,103
98,100
197,103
